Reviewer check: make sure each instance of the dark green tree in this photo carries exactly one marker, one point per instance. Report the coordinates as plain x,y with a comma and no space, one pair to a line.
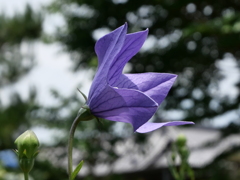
25,27
18,114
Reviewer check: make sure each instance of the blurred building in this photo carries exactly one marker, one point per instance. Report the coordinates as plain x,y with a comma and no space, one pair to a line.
151,160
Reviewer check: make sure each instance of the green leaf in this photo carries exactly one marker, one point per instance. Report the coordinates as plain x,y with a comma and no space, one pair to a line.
76,171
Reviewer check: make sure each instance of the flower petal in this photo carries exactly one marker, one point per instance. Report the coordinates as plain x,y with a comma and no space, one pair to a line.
155,85
148,127
132,45
107,48
123,105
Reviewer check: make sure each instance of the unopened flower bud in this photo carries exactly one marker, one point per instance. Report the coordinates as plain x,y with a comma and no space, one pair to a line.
27,149
181,141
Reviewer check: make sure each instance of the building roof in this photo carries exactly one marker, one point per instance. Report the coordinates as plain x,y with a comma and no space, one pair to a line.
205,145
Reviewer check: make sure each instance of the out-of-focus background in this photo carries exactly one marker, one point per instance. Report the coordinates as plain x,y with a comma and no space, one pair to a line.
47,52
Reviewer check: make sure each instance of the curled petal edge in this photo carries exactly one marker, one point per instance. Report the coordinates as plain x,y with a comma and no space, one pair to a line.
148,127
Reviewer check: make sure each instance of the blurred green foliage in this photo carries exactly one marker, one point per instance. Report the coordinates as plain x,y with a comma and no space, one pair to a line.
25,27
186,37
17,115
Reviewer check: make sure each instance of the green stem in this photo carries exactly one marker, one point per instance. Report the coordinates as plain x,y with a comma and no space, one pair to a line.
25,176
70,144
83,115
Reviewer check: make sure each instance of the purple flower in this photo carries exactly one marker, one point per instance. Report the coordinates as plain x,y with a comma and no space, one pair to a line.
130,98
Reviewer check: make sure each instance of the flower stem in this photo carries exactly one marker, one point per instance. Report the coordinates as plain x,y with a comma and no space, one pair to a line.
84,114
25,176
70,144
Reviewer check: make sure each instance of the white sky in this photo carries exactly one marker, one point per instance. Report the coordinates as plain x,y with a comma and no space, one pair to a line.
231,73
10,7
52,70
